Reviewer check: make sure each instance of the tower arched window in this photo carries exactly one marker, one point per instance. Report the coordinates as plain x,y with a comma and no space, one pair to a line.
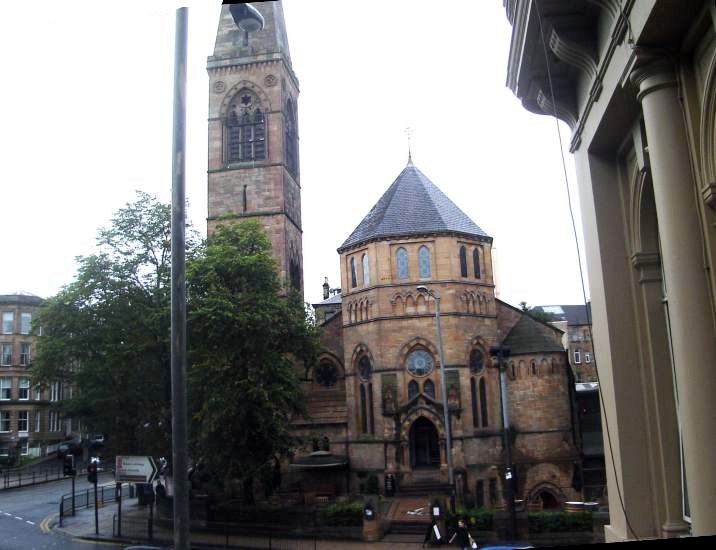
477,361
476,263
401,260
424,262
483,403
354,282
463,262
429,388
366,270
245,129
413,389
291,138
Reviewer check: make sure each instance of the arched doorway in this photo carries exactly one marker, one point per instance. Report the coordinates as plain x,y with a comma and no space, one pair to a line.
424,446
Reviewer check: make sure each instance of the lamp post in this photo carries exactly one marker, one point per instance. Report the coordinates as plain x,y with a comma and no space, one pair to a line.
500,353
446,414
247,18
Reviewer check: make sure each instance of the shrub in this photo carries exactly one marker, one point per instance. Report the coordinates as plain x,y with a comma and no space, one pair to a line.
558,522
343,514
479,519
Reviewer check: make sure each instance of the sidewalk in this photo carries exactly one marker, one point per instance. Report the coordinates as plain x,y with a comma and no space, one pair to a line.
82,526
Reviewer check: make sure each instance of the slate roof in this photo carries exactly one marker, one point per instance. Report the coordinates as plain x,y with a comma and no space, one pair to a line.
573,314
412,205
531,336
335,299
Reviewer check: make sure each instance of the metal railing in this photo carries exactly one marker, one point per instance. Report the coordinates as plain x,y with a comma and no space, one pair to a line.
85,498
10,479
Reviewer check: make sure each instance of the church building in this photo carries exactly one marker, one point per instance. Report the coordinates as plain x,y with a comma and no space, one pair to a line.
376,413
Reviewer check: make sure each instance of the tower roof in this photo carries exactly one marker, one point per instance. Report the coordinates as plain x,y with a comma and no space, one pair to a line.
531,336
412,205
272,39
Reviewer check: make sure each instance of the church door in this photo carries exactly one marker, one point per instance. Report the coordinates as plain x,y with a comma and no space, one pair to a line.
424,448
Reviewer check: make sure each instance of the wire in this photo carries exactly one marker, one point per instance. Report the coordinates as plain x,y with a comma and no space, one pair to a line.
579,261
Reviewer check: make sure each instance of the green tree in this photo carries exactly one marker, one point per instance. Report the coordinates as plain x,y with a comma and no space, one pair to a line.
107,333
247,340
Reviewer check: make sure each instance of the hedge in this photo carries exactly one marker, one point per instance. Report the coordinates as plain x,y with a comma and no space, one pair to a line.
343,514
559,522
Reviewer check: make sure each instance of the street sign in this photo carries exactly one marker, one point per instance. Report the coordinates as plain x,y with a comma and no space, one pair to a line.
135,469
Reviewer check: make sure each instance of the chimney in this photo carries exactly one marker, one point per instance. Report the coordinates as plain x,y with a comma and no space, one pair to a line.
325,289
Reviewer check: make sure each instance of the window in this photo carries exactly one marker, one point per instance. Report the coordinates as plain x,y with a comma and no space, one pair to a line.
363,411
366,270
4,421
55,391
480,494
24,354
473,396
53,424
23,389
7,322
290,139
533,368
477,361
424,262
38,417
412,389
23,447
354,283
22,418
587,357
365,369
419,362
463,262
25,321
6,355
577,357
245,129
483,403
493,491
401,259
476,263
429,388
326,374
5,389
38,394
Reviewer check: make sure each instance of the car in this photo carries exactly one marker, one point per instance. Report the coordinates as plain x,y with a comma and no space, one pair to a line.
514,545
69,447
96,440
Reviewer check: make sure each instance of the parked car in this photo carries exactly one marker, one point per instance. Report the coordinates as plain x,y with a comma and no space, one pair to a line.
96,440
518,545
69,447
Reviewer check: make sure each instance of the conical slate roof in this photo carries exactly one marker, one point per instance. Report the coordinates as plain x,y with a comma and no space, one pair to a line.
531,336
412,205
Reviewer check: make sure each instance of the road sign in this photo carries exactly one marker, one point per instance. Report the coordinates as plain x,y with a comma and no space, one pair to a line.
135,469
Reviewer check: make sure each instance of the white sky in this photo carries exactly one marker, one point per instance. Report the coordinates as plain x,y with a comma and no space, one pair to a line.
86,119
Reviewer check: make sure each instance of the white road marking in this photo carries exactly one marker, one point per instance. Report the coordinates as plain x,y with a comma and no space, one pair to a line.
9,515
18,518
30,522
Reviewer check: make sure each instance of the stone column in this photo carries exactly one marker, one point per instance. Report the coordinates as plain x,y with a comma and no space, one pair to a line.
691,319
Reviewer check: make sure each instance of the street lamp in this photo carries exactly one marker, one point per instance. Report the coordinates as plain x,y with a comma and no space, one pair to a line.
499,354
247,18
446,415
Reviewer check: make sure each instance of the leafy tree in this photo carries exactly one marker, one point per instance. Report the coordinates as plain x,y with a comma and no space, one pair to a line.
540,315
107,333
247,337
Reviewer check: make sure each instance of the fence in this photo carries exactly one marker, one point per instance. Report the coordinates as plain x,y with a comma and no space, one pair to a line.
224,535
85,499
20,478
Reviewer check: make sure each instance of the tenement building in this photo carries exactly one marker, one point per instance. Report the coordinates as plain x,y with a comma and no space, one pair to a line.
376,411
636,83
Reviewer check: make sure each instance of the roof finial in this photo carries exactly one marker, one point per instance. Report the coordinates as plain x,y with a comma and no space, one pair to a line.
409,132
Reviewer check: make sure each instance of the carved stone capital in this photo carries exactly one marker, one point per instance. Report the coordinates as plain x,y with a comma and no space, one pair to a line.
648,264
652,71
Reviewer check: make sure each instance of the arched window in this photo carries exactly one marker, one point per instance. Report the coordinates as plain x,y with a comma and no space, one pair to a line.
326,374
476,263
429,388
424,262
463,262
473,396
413,389
354,283
366,270
483,403
371,421
533,368
290,139
245,129
401,260
477,361
363,411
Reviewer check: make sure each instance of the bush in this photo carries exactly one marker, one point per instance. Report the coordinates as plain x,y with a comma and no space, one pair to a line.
559,522
479,519
343,514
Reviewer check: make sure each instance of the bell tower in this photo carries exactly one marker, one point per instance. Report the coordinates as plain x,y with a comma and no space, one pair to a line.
253,135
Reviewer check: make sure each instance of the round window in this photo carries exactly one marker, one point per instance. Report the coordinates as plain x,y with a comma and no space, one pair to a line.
419,362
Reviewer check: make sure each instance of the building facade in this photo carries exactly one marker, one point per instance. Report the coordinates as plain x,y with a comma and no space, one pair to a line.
636,83
28,425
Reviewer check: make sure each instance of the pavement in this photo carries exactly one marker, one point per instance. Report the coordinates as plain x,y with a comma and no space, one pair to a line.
134,521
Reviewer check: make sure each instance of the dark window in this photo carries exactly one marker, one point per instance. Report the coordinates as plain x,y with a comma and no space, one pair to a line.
370,408
493,492
294,273
363,415
473,395
354,283
463,262
483,403
534,368
326,374
480,494
291,139
476,263
245,130
365,369
412,389
429,388
477,361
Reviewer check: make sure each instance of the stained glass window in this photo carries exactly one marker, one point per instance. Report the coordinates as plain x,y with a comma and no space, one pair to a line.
401,258
424,262
419,362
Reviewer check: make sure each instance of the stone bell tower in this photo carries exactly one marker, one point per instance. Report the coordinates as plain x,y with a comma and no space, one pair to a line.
253,135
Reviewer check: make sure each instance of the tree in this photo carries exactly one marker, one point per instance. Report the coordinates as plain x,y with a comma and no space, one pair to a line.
107,333
247,339
540,315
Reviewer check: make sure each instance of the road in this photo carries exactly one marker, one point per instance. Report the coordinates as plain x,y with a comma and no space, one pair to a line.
23,510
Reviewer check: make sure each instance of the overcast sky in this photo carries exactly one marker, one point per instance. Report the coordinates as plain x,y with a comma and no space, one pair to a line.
86,119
